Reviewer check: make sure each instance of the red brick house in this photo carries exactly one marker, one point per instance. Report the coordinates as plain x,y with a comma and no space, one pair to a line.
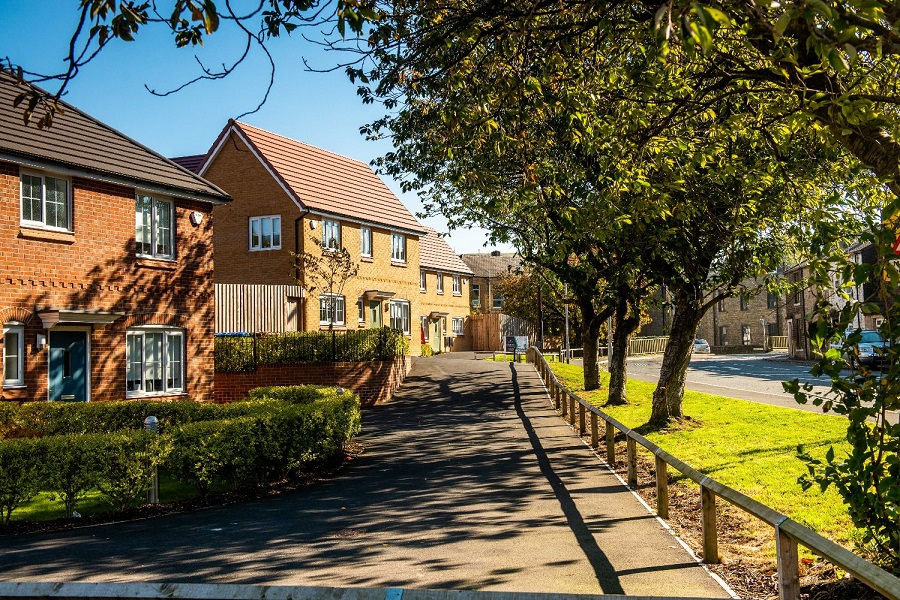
106,266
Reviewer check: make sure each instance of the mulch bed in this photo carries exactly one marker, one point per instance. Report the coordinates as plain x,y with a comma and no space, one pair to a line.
296,481
746,545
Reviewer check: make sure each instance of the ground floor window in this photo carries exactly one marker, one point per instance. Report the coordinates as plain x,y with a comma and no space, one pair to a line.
745,335
457,325
723,335
155,361
13,355
331,310
400,315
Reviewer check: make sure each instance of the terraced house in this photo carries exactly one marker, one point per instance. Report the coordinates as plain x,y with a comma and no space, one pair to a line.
106,264
293,197
444,284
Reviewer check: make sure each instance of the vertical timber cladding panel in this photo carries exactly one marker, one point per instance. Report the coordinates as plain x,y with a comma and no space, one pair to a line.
256,308
486,332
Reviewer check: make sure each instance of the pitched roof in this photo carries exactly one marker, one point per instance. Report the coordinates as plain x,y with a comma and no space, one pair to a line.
192,163
84,146
492,264
436,254
322,181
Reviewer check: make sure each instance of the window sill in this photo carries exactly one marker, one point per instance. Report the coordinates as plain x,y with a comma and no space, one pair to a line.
336,327
440,293
130,395
15,386
264,249
47,235
166,264
398,263
424,291
367,259
457,294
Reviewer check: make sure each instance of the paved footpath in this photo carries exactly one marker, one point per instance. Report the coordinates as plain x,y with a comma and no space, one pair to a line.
469,481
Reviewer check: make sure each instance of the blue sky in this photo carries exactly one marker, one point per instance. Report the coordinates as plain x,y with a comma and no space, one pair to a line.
321,109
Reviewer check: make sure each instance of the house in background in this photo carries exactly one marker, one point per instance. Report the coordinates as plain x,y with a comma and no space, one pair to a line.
443,306
106,269
292,197
486,269
745,320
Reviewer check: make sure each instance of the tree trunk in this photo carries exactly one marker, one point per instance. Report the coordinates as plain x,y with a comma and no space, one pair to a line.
590,333
618,367
670,390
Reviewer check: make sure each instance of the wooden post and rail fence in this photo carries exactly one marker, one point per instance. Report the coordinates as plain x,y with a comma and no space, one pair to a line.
788,533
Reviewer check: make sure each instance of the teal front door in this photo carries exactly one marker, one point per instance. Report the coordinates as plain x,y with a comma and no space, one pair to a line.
68,366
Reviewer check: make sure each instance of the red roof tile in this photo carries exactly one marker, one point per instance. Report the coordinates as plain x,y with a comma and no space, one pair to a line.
435,254
324,181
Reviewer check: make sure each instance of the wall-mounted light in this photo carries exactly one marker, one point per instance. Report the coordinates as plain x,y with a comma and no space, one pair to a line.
196,217
41,342
312,224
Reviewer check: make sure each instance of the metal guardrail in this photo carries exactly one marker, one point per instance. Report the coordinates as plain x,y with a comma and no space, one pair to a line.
788,533
226,591
778,342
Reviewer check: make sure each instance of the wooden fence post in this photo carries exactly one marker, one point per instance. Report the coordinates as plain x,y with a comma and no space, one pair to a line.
557,395
662,488
595,434
572,410
610,445
788,566
708,517
631,461
581,415
565,406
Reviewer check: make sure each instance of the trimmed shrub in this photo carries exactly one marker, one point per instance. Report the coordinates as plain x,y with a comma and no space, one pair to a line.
126,463
209,452
19,475
69,468
293,394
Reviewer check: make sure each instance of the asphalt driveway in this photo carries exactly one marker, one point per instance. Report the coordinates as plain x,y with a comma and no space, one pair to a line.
469,481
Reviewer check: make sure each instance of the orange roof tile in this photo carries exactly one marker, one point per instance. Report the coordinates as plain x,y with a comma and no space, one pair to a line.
435,254
321,180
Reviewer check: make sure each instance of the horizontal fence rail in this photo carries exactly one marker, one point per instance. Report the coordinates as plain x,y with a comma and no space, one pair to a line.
647,345
244,352
778,342
227,591
788,533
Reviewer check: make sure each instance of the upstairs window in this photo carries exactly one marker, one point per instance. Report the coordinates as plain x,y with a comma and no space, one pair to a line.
422,281
153,227
400,315
265,233
457,285
498,301
155,361
476,294
745,303
13,355
365,242
331,234
440,283
45,201
398,247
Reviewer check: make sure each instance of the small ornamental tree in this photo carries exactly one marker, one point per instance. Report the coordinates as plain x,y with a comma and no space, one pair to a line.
868,476
326,271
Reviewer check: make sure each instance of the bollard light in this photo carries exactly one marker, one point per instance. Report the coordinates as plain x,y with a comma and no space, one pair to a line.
151,423
340,390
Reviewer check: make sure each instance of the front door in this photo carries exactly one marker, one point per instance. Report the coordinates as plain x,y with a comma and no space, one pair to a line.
375,317
68,366
437,334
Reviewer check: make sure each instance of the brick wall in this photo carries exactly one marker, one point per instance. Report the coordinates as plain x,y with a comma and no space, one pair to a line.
95,267
375,382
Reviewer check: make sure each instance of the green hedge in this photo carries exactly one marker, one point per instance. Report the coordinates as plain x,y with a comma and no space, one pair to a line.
264,439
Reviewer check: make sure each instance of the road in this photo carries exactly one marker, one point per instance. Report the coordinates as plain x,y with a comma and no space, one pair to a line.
469,480
755,377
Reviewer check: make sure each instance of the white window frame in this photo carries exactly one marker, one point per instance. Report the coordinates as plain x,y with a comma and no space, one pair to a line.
423,323
172,337
439,287
259,247
457,325
360,307
328,224
365,242
155,201
398,248
42,223
457,285
494,301
18,330
423,281
399,314
476,294
333,310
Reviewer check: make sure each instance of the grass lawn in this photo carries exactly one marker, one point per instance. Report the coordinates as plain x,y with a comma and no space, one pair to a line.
748,446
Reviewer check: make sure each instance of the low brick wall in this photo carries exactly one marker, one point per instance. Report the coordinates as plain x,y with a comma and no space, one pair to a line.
736,349
375,381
